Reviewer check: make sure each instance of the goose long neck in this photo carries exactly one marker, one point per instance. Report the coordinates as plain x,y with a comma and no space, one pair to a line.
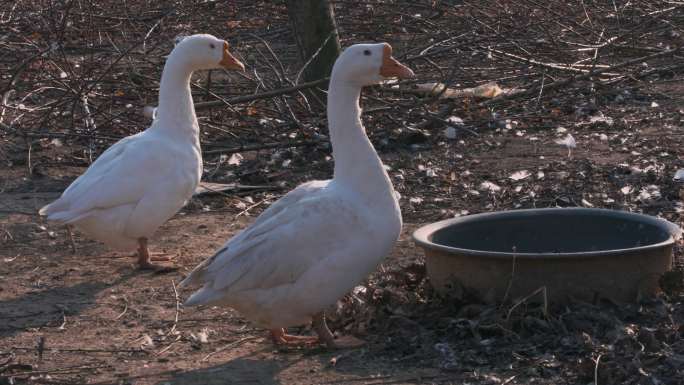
356,161
176,110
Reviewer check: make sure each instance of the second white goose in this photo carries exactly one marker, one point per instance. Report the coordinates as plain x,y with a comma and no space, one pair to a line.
324,237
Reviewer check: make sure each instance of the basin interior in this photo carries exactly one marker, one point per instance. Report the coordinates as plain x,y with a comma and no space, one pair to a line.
551,233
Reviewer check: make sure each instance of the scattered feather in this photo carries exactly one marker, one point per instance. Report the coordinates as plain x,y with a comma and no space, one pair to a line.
203,336
147,341
489,186
679,176
600,118
450,132
520,175
569,142
235,159
455,121
649,193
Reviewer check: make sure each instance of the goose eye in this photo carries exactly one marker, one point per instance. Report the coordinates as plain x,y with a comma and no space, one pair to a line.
212,45
367,52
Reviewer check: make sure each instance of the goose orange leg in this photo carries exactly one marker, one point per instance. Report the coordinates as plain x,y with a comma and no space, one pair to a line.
144,257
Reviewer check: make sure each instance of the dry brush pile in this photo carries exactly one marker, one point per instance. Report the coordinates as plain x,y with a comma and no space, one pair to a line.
81,72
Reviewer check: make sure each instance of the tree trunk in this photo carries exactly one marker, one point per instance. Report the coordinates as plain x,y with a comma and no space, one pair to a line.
313,22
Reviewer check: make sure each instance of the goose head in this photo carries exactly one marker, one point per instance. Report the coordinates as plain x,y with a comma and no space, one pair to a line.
367,64
205,52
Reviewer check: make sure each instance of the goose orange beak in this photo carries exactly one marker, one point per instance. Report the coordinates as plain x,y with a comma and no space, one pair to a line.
229,62
391,67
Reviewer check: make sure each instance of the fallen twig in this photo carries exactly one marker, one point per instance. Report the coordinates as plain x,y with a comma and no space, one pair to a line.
164,350
262,146
263,95
178,305
541,290
243,212
84,350
206,188
71,369
598,359
564,82
124,310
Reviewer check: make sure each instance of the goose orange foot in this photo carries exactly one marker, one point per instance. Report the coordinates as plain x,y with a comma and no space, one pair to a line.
326,336
281,338
145,258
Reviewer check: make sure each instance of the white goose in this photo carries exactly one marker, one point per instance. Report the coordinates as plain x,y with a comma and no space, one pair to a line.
324,237
144,179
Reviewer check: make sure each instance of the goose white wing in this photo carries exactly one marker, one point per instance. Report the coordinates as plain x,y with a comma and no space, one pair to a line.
121,175
297,232
101,164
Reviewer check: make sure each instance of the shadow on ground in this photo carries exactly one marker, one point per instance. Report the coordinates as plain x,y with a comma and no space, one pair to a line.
241,370
49,307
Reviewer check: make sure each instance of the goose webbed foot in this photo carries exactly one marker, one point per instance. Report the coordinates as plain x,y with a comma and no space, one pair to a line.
326,336
281,338
145,258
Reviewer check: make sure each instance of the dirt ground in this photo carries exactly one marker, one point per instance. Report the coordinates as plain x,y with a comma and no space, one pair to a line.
90,317
100,319
125,320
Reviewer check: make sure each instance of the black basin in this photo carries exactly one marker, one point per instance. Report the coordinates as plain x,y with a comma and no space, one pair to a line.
576,252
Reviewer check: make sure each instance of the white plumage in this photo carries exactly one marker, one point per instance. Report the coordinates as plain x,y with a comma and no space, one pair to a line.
320,240
144,179
302,254
131,189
